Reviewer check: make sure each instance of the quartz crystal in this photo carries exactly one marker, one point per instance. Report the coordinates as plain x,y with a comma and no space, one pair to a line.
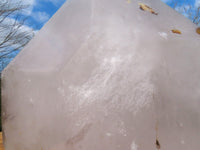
106,75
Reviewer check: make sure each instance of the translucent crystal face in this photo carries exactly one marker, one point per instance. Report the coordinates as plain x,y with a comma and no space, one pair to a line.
105,75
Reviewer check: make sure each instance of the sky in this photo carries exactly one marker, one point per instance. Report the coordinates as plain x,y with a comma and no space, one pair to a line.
40,11
190,5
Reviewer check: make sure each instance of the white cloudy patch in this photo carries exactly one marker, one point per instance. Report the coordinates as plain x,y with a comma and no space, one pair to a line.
29,3
163,35
56,2
183,9
108,134
134,146
182,142
41,16
197,3
23,2
166,1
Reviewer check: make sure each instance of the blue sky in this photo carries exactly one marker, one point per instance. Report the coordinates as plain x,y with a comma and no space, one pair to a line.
190,5
40,11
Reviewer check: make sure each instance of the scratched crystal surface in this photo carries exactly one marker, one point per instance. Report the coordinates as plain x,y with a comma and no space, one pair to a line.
106,75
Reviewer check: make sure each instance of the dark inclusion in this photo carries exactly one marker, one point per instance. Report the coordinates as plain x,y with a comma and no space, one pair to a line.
157,144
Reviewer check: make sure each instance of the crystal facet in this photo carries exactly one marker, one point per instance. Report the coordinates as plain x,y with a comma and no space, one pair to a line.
106,75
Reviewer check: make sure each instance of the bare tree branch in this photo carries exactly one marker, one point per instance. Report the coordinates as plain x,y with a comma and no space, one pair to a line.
13,35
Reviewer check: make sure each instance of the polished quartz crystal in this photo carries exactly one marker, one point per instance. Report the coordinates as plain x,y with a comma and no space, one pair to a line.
106,75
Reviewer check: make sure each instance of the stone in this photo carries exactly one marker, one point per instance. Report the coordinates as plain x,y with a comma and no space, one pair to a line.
105,75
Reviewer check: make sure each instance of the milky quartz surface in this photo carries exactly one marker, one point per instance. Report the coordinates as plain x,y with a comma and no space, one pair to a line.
105,75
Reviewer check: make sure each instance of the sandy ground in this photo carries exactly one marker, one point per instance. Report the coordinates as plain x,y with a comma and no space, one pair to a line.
1,142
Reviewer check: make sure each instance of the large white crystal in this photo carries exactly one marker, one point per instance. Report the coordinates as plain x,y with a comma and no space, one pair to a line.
106,75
